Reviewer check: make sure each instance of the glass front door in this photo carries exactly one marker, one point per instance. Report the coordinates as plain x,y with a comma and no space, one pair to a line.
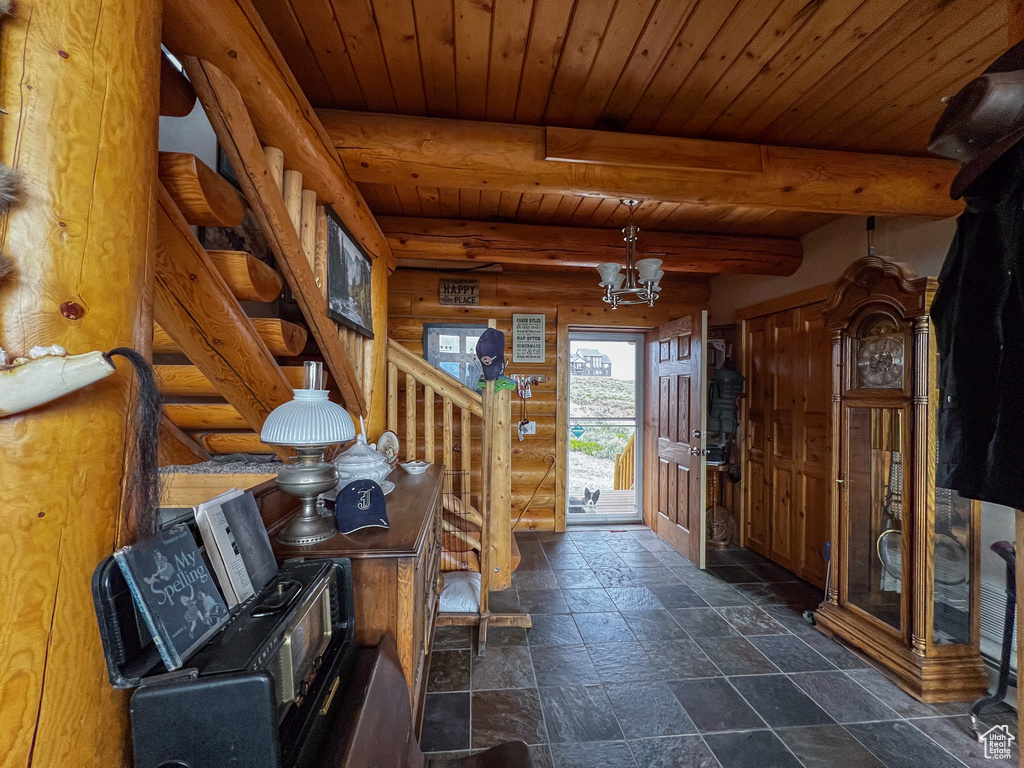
604,442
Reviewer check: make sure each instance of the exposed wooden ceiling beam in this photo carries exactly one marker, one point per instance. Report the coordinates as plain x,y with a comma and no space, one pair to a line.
430,152
486,241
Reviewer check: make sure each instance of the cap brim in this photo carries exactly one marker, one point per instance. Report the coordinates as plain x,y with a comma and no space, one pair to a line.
976,167
352,523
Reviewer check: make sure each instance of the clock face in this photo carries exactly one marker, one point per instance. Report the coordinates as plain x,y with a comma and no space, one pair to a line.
880,356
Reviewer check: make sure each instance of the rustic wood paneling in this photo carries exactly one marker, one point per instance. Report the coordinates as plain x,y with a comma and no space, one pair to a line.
575,300
747,70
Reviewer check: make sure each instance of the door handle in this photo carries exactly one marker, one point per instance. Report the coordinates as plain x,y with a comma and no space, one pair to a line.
697,433
696,451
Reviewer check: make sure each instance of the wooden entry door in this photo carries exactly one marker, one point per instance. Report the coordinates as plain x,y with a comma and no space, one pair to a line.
679,415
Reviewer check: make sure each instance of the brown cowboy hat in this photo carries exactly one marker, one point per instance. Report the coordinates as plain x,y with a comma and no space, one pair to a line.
984,120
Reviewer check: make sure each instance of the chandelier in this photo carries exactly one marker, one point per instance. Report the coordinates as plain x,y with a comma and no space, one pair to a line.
640,283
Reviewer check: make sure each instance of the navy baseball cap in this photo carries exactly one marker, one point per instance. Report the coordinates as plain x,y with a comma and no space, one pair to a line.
490,348
361,505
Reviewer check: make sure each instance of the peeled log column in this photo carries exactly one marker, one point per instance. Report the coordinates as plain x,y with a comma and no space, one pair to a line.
81,86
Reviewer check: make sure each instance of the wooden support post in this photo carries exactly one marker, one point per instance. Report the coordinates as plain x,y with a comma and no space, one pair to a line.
80,89
466,452
231,123
393,397
446,434
410,418
275,166
307,230
501,492
293,198
320,252
429,449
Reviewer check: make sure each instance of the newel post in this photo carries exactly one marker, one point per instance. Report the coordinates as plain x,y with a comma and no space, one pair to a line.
80,88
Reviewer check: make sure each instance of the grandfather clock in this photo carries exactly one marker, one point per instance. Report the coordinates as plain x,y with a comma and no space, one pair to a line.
904,588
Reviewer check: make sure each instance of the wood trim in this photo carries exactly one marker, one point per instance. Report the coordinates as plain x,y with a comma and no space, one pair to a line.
531,244
561,418
402,150
785,303
572,145
236,134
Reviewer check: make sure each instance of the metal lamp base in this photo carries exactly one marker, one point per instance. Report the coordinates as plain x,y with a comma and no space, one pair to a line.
308,478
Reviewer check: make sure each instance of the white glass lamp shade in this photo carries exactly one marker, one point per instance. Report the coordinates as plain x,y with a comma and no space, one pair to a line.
648,269
307,421
608,271
618,280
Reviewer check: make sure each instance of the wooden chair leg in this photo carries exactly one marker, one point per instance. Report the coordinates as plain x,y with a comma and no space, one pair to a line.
481,634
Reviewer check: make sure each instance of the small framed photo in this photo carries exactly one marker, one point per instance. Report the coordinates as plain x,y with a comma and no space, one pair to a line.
348,279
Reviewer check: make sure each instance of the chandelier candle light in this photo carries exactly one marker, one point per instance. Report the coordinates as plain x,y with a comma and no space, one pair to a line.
309,424
641,281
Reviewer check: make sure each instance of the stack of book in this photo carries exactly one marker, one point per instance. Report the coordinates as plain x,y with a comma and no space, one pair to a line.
182,603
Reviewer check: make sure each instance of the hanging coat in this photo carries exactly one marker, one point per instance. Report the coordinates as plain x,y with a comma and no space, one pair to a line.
978,313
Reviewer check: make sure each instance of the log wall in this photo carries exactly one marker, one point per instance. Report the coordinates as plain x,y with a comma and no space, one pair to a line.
571,297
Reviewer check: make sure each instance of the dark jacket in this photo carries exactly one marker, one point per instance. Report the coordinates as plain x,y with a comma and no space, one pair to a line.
979,324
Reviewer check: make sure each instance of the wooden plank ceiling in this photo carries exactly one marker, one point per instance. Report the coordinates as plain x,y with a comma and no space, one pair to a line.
859,75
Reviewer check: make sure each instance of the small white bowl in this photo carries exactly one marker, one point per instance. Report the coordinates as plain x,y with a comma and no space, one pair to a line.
416,467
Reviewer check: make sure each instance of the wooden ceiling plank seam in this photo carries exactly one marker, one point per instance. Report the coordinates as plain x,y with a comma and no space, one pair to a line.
388,196
572,51
395,22
584,211
926,73
566,209
659,36
508,53
473,21
865,21
469,203
548,29
409,199
369,193
729,46
320,27
786,129
279,17
788,20
613,59
913,126
583,45
430,201
919,120
700,29
529,202
490,199
548,205
826,21
449,199
435,34
605,208
359,31
509,205
899,72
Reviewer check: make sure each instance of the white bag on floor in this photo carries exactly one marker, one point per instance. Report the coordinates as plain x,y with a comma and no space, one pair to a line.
461,593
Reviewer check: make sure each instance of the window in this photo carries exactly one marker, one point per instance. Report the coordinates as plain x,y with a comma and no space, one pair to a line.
452,349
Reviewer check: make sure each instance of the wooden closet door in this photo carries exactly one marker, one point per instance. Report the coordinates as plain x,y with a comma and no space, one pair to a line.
814,443
786,406
757,370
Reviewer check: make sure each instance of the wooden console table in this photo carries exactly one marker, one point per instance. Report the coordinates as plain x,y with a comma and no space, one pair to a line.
394,573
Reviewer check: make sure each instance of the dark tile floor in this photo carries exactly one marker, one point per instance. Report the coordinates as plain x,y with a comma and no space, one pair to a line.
637,659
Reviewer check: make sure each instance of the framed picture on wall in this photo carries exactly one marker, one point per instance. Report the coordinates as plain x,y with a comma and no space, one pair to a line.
348,279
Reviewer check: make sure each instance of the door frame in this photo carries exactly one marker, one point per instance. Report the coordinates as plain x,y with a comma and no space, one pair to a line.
640,373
